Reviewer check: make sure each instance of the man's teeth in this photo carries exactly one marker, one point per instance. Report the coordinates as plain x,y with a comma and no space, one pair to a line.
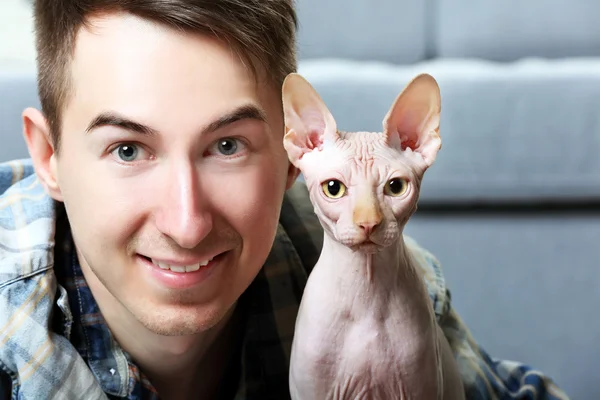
187,268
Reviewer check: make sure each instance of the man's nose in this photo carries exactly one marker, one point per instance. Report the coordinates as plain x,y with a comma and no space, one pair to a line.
183,214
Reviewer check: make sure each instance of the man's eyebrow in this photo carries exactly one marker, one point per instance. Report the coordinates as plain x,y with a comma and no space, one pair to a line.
244,112
111,118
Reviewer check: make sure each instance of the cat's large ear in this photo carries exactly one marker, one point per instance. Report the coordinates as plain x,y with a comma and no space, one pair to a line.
308,122
413,120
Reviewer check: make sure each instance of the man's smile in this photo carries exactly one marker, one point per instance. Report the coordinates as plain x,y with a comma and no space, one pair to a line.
184,273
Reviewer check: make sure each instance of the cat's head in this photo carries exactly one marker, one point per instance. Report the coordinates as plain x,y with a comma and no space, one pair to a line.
364,185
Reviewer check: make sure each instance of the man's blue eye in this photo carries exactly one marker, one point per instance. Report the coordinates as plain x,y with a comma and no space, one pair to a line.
227,146
127,152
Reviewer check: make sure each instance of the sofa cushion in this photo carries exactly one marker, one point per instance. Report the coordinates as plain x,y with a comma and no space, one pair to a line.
509,29
519,132
526,285
385,30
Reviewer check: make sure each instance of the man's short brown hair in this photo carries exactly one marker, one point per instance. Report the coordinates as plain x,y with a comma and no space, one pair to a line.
261,31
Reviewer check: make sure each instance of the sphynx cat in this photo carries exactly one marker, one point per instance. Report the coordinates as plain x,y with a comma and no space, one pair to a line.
366,328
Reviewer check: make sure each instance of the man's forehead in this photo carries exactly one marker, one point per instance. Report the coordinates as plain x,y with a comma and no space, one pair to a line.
121,34
159,76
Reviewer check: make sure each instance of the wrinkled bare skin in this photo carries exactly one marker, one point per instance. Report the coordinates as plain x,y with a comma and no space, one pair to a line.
366,328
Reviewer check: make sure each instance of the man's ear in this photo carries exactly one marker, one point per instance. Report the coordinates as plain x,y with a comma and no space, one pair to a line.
36,132
413,120
308,122
292,175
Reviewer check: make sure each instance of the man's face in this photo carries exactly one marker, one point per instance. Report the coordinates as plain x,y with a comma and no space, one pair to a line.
171,154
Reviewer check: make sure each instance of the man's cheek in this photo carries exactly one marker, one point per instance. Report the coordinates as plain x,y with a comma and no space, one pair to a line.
248,206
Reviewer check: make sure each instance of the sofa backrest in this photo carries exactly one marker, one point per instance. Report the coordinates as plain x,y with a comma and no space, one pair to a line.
407,31
387,30
511,29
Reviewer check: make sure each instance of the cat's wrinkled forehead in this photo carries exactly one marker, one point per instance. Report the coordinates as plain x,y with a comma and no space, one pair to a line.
362,139
354,152
366,146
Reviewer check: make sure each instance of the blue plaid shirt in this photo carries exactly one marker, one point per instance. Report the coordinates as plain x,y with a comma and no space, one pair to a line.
55,344
89,333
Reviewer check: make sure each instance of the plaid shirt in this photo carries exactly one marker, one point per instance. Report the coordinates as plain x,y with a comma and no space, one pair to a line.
54,343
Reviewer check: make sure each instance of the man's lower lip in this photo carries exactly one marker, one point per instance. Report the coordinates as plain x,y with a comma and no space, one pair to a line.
181,280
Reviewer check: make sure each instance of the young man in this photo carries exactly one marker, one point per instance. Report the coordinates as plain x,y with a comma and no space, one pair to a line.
156,244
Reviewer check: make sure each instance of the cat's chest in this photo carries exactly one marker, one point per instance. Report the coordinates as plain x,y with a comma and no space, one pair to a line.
358,320
364,332
350,341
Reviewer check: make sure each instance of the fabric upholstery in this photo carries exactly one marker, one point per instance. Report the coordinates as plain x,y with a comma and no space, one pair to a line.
395,31
510,29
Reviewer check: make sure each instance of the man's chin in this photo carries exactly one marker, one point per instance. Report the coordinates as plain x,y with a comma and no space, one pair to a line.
183,320
174,329
173,326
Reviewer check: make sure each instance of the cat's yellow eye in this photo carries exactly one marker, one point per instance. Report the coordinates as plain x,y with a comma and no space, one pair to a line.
333,188
395,187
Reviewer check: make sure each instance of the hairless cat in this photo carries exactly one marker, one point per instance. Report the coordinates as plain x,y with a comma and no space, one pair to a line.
366,328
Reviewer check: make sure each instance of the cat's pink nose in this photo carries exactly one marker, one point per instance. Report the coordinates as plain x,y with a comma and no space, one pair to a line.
367,215
368,227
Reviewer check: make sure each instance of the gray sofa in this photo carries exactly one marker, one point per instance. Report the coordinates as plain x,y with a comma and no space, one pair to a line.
512,205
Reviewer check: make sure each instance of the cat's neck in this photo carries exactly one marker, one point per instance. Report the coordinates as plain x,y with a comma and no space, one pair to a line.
391,267
375,285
